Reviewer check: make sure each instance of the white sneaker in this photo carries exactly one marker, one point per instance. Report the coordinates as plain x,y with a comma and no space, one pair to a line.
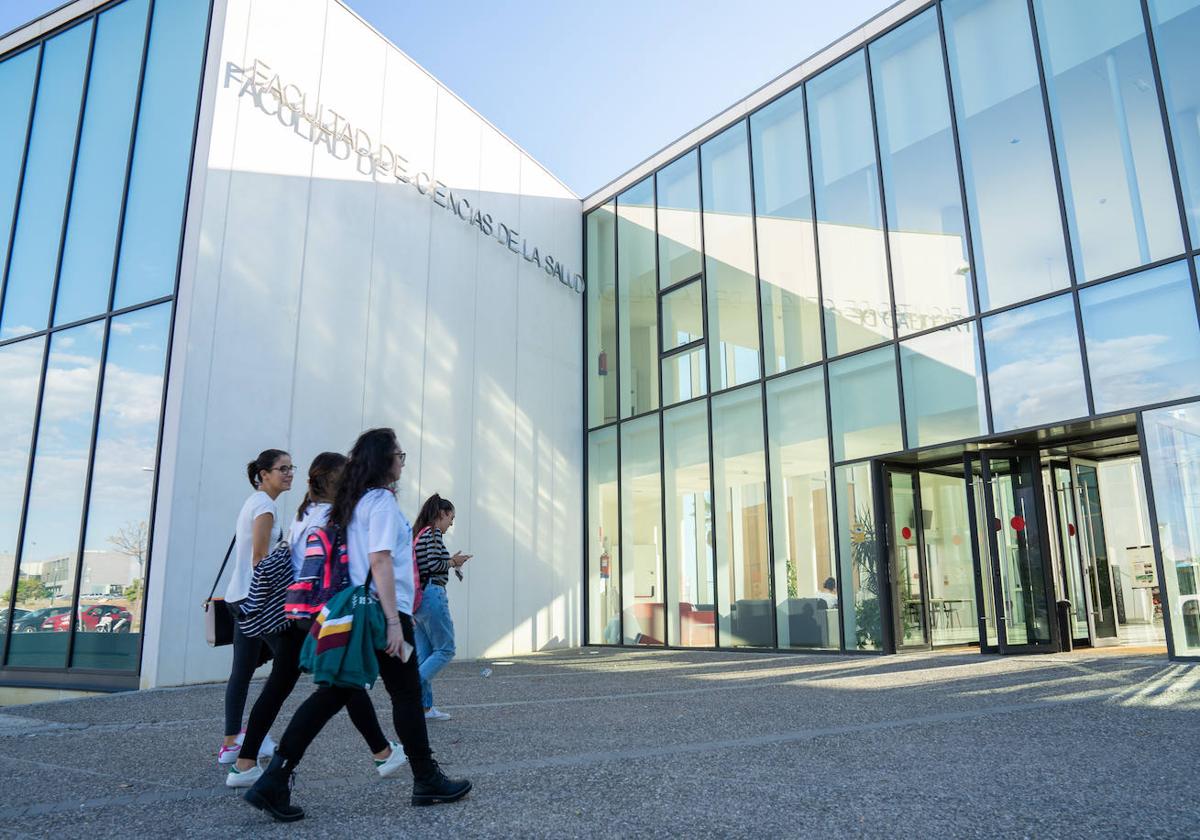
267,750
242,778
434,714
228,755
390,765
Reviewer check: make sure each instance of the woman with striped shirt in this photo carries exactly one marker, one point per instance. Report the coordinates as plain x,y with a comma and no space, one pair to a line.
432,623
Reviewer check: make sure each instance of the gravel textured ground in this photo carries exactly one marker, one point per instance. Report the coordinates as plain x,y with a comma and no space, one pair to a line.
600,743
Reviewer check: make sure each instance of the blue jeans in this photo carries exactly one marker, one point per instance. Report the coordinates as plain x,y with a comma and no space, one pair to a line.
435,637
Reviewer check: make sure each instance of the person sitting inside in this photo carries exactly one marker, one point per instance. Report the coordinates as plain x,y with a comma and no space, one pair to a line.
828,593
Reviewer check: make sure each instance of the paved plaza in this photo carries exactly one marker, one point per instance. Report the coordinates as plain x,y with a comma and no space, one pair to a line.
589,743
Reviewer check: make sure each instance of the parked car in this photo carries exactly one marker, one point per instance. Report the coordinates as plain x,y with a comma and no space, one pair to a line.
105,618
101,618
17,614
32,622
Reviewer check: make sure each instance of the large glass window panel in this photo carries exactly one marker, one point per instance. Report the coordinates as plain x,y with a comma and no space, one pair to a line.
691,607
603,540
602,315
682,316
744,612
684,376
1143,342
805,578
1016,226
112,584
858,309
943,386
865,405
1034,370
17,75
1173,450
678,221
641,534
1176,28
729,258
47,178
858,552
49,551
86,275
787,255
21,371
931,274
1109,134
162,152
637,299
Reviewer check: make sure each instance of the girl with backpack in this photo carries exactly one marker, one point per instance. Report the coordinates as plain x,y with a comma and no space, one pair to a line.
313,514
379,545
270,475
434,627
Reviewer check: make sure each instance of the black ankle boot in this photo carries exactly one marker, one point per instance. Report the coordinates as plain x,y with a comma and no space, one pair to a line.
273,791
431,787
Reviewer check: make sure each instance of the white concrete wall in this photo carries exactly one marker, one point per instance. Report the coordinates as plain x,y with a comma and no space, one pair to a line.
319,298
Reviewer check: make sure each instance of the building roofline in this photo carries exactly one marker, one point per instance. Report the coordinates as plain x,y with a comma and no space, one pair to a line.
55,18
785,81
16,38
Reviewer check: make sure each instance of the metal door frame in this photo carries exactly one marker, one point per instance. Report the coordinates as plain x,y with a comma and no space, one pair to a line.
1034,456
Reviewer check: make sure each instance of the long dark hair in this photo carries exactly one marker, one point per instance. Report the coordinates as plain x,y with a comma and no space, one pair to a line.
265,461
369,466
433,506
323,477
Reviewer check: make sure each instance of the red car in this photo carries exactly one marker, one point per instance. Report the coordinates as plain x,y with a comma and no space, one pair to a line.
102,618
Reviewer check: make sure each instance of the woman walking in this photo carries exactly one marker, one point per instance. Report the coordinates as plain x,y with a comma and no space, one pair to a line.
270,475
433,625
379,543
323,478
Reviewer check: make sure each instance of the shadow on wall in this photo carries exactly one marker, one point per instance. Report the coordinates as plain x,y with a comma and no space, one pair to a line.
324,306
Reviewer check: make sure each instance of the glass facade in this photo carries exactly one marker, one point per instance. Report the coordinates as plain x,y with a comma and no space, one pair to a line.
977,224
94,166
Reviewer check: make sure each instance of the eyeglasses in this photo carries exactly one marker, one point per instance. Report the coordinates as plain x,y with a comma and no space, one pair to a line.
403,456
286,470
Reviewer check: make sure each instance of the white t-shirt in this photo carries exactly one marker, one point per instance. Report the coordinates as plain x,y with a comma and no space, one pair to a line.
243,548
378,525
315,517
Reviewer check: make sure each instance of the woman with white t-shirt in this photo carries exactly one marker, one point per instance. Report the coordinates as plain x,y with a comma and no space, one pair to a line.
379,542
270,475
323,477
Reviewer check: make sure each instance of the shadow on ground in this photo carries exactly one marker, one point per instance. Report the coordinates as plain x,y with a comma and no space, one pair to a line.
604,743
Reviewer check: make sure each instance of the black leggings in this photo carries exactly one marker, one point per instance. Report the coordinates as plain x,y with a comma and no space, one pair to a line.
285,672
247,656
403,684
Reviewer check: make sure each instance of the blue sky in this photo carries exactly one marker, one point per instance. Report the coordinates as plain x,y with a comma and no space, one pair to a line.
592,88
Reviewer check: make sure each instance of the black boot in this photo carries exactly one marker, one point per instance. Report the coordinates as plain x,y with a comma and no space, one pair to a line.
431,787
273,791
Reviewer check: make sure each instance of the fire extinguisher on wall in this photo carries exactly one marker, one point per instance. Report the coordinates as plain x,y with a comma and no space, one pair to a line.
603,366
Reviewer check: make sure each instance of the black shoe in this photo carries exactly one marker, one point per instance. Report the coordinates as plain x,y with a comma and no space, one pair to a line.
273,791
431,787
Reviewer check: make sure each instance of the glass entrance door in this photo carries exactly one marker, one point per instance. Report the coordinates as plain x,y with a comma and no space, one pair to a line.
931,561
1097,569
1020,567
909,604
1062,504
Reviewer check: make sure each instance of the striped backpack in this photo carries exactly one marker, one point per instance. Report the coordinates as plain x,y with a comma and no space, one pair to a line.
324,573
262,612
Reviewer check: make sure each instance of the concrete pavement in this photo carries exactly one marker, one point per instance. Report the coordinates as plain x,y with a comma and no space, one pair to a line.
601,743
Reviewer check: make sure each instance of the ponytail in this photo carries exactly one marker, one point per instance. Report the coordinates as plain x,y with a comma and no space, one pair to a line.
265,461
433,506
